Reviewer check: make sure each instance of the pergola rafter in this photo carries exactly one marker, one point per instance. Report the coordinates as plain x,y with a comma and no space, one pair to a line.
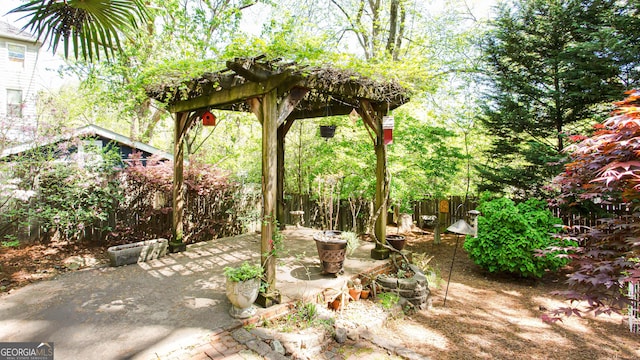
279,93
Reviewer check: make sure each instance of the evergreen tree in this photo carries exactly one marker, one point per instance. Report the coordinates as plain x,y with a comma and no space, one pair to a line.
549,65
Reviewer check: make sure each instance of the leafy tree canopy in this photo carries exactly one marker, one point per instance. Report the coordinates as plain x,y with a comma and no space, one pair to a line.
549,66
89,27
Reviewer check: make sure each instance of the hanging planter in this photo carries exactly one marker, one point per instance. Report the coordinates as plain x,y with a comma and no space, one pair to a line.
327,131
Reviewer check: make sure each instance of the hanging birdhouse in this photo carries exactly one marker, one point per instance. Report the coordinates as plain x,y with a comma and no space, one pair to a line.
387,129
208,119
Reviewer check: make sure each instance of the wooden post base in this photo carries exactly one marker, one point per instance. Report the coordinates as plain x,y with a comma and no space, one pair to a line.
268,300
379,254
176,247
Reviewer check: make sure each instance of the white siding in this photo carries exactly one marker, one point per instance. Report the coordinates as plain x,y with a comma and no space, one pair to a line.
23,78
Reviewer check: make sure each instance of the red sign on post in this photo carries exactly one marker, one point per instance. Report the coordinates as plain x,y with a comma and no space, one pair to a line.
387,129
388,136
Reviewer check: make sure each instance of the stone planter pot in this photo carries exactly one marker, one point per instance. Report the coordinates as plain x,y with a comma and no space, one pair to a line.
415,289
397,241
242,295
137,252
331,250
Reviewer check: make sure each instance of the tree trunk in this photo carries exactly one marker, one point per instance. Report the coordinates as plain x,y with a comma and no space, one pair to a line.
393,26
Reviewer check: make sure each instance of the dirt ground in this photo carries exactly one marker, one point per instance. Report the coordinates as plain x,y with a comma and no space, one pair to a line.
25,264
486,316
496,317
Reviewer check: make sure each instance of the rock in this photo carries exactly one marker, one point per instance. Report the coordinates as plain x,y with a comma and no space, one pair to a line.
263,334
387,282
277,347
353,334
258,346
407,284
340,336
242,336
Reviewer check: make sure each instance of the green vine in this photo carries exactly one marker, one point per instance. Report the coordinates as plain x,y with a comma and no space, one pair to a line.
276,244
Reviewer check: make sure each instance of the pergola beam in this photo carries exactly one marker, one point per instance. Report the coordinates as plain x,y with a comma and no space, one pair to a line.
289,104
284,111
232,95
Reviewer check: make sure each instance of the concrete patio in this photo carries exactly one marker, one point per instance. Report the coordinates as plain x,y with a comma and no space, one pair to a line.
165,308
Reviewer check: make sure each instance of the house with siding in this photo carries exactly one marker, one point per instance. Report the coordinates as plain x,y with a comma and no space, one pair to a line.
19,53
81,144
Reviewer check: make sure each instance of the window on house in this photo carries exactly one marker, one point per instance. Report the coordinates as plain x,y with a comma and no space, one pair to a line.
89,152
16,54
14,103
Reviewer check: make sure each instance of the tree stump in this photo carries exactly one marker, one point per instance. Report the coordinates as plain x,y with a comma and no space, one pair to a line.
405,223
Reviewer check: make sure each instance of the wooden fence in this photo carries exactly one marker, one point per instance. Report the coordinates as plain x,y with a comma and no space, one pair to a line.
219,214
591,219
342,217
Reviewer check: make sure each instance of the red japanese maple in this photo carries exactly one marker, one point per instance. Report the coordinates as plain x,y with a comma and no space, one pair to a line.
604,168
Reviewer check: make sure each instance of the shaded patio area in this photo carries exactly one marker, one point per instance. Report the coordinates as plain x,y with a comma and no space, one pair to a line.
166,307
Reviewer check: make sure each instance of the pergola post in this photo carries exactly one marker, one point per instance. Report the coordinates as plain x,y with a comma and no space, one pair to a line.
282,133
178,181
372,118
379,252
269,184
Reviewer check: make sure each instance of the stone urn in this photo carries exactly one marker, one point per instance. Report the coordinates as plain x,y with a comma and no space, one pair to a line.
331,250
242,295
242,288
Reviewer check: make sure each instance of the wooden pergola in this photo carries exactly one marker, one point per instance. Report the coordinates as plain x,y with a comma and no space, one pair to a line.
279,93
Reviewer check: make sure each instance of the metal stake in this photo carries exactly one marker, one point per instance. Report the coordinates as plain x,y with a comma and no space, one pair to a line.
451,270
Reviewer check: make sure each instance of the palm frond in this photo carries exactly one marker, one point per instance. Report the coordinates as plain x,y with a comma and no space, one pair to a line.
90,27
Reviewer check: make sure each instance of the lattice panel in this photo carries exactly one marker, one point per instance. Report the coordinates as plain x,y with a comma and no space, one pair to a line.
634,308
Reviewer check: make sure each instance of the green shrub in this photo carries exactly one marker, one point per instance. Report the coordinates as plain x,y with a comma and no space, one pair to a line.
63,197
510,234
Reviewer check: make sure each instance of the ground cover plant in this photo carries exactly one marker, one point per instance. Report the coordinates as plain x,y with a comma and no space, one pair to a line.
60,191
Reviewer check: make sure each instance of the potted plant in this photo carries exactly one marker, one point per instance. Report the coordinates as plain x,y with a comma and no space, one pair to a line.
336,298
333,245
396,241
365,292
355,289
328,127
242,287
